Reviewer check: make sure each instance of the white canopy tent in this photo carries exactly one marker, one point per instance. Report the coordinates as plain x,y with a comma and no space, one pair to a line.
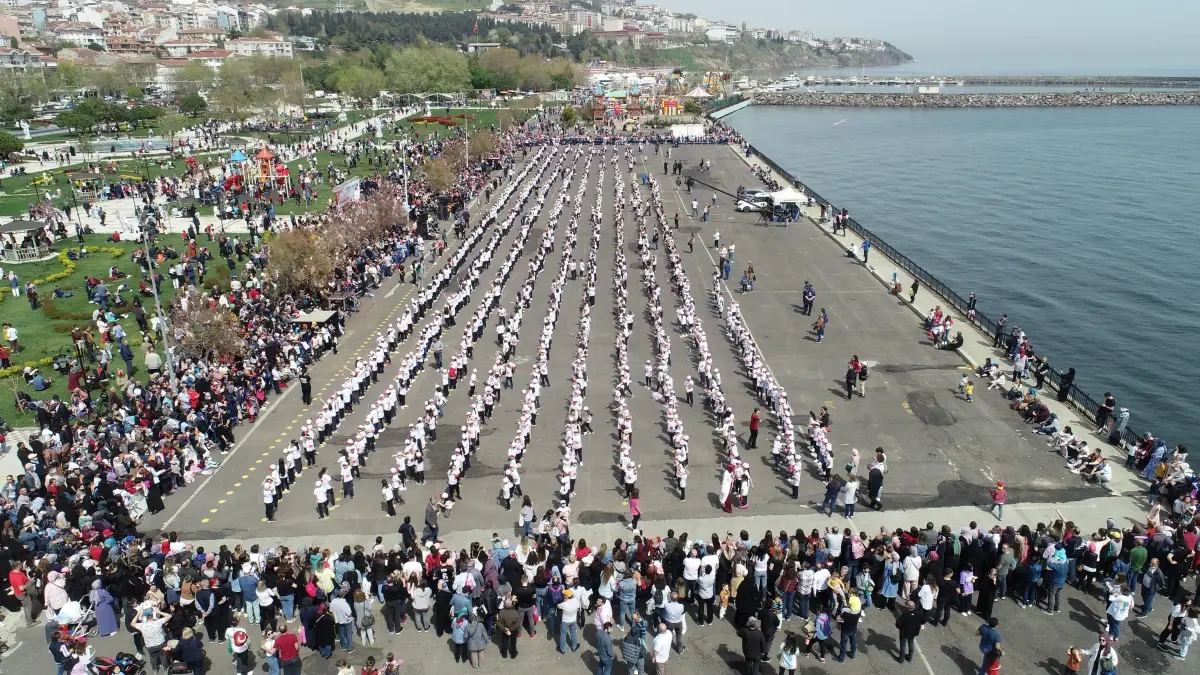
698,93
789,195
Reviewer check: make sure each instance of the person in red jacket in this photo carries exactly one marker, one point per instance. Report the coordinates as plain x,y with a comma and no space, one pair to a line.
754,419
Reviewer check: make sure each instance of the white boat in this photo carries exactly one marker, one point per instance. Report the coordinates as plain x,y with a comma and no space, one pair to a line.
743,82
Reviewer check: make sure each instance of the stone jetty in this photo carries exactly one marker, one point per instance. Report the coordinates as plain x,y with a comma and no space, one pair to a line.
1013,100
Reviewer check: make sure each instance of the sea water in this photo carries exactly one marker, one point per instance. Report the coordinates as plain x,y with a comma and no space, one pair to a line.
1080,223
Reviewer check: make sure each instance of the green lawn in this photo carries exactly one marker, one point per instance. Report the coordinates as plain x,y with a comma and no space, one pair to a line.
18,192
46,331
484,119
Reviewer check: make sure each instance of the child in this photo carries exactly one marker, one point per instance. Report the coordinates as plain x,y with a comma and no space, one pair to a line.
999,498
962,384
1074,660
343,668
822,630
970,389
787,655
392,666
724,595
369,667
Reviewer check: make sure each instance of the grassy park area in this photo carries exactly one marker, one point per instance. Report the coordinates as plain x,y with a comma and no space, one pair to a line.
46,331
18,192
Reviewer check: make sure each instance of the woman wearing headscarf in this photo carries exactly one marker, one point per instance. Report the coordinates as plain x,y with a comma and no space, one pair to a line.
893,574
56,592
324,632
1157,456
749,601
308,619
105,608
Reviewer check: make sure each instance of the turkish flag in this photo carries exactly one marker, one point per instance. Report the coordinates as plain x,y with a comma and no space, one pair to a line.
475,30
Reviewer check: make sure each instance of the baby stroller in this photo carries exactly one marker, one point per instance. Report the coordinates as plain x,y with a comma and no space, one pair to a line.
78,621
103,665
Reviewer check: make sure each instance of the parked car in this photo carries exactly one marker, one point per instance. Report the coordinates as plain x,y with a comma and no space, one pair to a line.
751,205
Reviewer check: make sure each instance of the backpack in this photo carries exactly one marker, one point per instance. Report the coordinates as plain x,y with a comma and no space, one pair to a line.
862,372
556,595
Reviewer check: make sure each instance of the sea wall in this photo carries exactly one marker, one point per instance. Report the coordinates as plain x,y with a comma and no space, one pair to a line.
1015,100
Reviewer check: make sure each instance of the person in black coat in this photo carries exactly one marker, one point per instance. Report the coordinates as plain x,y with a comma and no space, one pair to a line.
875,486
909,624
768,623
754,644
748,601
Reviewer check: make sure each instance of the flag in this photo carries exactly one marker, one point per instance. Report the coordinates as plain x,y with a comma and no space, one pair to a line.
475,30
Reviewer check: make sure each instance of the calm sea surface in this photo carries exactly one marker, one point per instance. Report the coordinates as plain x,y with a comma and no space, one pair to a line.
1081,223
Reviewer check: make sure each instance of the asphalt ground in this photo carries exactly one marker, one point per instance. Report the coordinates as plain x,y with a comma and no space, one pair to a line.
943,451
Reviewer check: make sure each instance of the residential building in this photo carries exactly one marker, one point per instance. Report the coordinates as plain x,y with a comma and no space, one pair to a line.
10,26
722,33
20,59
213,58
481,47
265,46
174,49
206,33
80,34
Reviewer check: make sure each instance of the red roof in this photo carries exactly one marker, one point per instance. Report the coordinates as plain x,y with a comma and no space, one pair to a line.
210,54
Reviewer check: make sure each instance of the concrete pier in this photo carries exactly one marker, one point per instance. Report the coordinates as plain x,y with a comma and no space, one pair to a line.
994,100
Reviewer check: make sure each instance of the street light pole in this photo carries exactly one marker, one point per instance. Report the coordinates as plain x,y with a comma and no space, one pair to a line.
158,310
404,166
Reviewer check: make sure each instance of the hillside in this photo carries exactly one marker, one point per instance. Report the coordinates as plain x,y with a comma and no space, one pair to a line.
760,54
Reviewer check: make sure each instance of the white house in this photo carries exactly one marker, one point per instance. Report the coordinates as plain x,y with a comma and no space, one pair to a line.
722,33
250,46
175,49
80,34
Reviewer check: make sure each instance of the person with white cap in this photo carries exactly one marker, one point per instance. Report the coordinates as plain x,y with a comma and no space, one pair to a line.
322,499
268,491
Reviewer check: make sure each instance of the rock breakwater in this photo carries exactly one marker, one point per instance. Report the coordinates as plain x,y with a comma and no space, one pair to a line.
1013,100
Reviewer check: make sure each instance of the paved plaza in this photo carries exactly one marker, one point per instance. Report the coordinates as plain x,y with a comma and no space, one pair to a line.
943,451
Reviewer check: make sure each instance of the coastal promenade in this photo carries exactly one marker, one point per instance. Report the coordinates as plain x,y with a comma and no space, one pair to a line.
944,452
970,100
1078,412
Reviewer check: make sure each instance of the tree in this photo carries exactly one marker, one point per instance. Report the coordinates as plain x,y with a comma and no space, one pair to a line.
568,116
19,92
438,174
68,77
359,82
84,140
299,263
208,331
428,69
194,77
9,144
170,125
74,119
193,104
134,93
481,145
